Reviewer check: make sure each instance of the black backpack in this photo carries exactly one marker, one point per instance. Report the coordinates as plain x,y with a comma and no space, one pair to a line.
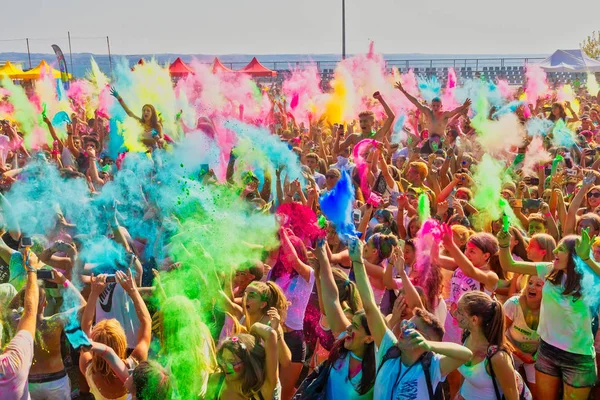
315,385
425,360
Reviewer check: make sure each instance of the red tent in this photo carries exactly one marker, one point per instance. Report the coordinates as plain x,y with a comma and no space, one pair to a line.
179,68
218,66
255,68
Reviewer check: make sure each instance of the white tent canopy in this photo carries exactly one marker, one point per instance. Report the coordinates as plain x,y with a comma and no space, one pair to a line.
570,61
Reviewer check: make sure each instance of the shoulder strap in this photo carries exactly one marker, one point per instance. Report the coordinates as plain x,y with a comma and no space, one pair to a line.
392,352
491,353
426,364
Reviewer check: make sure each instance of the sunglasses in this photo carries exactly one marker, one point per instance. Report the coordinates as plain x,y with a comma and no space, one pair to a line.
330,176
593,194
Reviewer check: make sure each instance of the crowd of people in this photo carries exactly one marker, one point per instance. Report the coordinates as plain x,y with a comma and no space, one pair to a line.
280,242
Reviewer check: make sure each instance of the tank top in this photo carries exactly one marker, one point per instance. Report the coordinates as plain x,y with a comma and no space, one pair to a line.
519,333
95,390
477,384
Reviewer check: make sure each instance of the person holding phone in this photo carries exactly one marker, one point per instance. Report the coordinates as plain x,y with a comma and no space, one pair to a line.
48,378
16,359
103,382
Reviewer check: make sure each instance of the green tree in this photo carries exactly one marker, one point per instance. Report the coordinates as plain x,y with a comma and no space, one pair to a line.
591,45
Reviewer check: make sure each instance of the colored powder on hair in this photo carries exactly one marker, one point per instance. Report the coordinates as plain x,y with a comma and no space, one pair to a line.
498,137
302,221
510,108
303,87
429,235
337,204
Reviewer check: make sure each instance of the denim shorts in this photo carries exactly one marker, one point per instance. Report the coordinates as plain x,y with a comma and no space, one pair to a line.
295,342
576,370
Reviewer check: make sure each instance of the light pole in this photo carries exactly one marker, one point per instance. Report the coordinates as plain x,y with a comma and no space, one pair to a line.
343,29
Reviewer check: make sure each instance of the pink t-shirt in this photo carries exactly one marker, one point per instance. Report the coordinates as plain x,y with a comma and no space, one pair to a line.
15,363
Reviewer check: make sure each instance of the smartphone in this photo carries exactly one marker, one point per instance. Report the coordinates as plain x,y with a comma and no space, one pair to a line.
591,152
568,162
532,203
450,202
45,274
203,170
111,278
356,215
534,181
548,170
571,172
516,203
26,241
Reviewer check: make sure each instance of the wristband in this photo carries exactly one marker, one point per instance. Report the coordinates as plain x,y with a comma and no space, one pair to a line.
547,215
66,283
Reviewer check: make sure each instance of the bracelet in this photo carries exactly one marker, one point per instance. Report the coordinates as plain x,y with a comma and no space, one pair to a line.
547,215
504,247
105,351
66,283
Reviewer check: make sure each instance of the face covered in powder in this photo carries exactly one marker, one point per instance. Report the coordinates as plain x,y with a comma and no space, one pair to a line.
561,256
146,114
253,302
533,291
356,335
231,365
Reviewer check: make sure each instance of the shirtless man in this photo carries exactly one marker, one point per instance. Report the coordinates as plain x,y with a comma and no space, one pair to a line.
436,120
47,377
366,121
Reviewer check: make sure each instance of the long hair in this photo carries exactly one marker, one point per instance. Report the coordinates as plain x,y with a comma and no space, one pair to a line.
338,351
154,124
253,356
432,286
488,243
521,247
384,244
563,114
110,333
546,242
347,291
271,294
491,315
572,286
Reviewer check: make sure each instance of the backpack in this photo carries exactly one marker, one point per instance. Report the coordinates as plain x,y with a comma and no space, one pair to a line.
315,385
524,393
425,360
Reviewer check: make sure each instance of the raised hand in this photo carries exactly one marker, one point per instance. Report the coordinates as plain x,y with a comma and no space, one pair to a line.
274,318
584,244
503,238
356,250
126,280
114,93
399,86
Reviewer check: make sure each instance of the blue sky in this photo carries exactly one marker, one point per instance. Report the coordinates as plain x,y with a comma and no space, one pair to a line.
304,26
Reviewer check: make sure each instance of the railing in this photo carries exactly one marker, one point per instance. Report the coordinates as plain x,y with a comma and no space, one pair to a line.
476,64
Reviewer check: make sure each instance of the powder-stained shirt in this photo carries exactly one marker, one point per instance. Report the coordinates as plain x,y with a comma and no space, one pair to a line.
15,364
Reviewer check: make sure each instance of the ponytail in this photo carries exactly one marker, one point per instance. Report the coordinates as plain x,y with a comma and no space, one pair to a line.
491,316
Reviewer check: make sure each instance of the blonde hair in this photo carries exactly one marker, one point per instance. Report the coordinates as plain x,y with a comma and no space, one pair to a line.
110,333
271,294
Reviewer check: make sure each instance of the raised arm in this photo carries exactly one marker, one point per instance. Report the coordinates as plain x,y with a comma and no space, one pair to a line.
291,256
140,352
333,310
488,278
411,98
269,336
459,110
120,369
570,223
387,124
116,95
98,284
506,260
53,133
583,249
375,320
32,294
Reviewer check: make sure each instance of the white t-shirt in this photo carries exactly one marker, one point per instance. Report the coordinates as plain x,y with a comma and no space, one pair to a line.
519,333
338,381
114,302
565,321
459,285
411,383
297,291
15,363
